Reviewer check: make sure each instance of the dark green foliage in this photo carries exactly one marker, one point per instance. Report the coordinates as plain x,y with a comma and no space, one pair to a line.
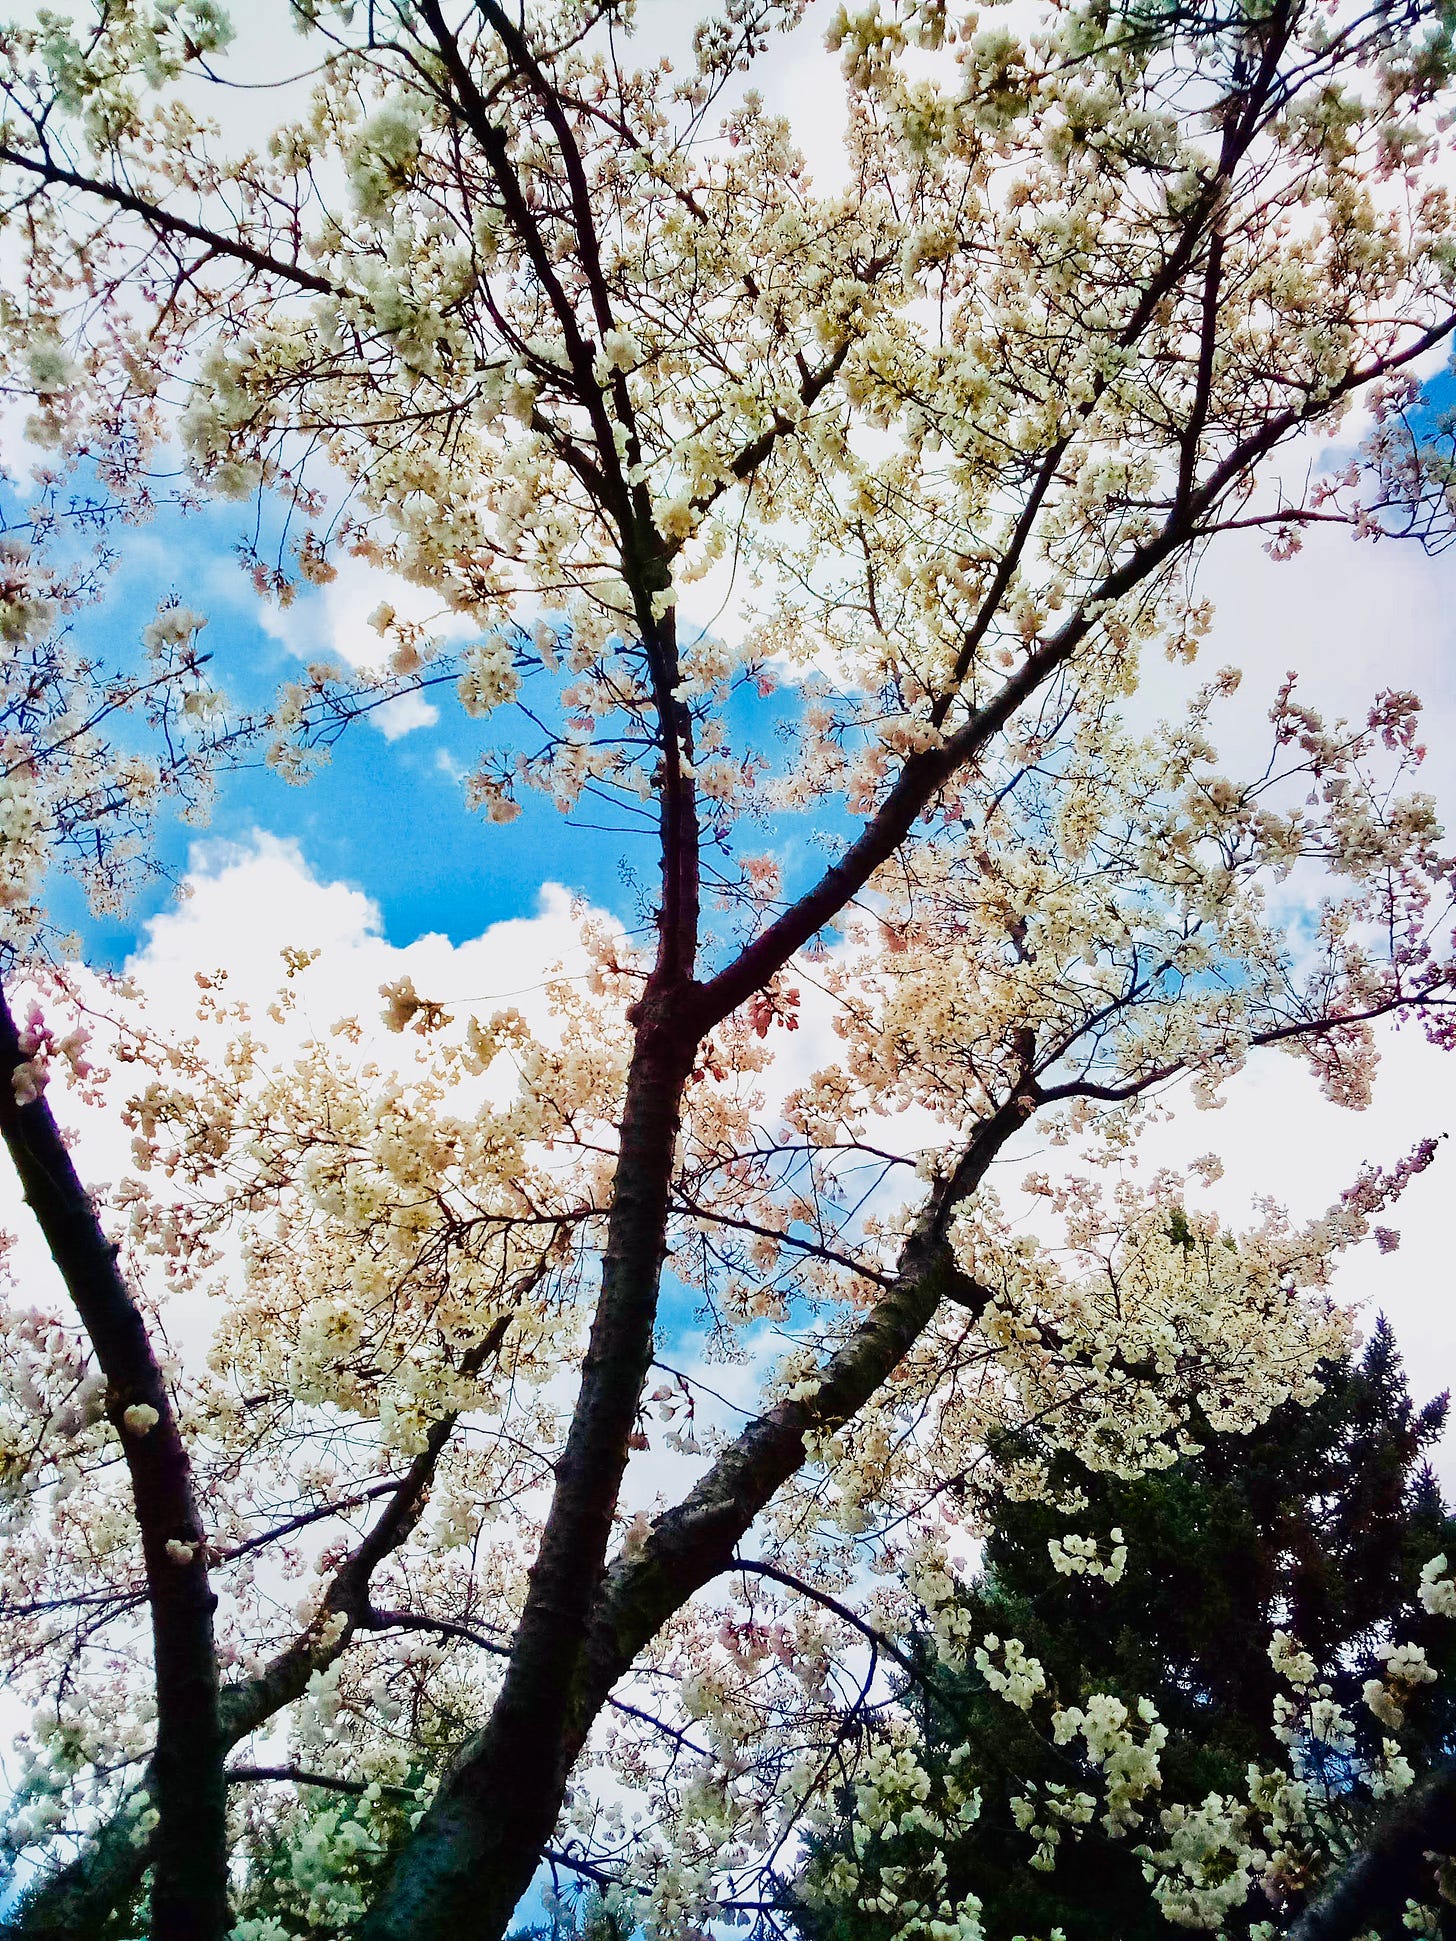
1318,1523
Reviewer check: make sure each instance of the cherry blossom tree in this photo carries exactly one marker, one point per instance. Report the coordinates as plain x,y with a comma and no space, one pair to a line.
506,308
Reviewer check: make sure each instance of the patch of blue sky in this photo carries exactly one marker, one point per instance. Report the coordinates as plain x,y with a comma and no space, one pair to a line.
1434,410
387,813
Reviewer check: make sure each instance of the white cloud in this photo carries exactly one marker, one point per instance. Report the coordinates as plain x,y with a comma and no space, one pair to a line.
1279,1139
1352,617
402,716
333,621
1277,1136
243,903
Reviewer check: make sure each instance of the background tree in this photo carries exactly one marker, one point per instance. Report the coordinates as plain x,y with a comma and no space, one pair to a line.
554,337
1170,1586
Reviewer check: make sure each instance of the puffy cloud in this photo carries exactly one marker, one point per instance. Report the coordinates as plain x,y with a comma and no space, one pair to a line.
242,905
334,621
1277,1136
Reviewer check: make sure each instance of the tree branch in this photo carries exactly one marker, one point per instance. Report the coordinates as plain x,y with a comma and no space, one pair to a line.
189,1846
924,774
296,1776
697,1540
478,1844
74,1902
162,220
757,1567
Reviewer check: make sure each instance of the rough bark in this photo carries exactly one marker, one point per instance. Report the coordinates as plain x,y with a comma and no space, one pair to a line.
189,1847
1373,1890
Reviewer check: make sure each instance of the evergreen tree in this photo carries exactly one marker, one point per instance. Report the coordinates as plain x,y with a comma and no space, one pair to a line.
1318,1524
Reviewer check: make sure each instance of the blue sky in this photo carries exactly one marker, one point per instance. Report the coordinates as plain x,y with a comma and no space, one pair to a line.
386,815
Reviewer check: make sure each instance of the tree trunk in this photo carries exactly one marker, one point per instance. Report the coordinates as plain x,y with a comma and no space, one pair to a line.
474,1853
189,1848
1373,1889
